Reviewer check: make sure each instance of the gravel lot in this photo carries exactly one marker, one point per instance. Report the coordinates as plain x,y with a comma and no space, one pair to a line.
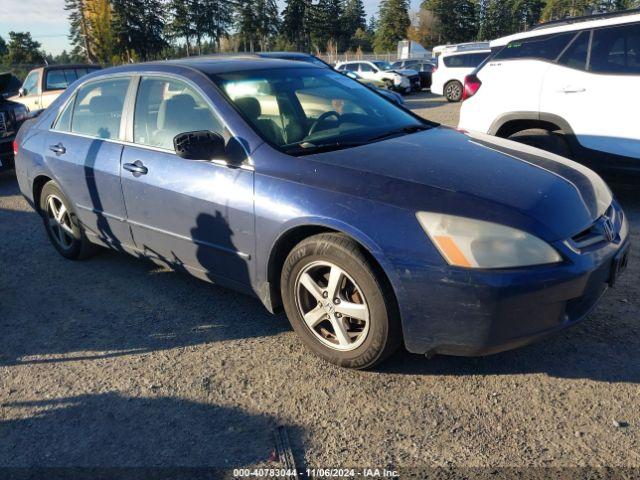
116,362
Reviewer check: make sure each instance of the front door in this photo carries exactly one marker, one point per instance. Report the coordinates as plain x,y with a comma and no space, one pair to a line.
83,151
196,215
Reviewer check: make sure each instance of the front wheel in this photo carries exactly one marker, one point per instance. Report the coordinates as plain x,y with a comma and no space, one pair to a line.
453,91
338,304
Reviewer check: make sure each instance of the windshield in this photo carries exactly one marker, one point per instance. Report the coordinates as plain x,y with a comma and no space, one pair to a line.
382,65
305,110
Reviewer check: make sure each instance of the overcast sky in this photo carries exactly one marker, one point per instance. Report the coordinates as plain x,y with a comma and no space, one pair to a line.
47,20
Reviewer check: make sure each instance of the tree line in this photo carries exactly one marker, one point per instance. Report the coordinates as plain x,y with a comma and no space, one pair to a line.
117,31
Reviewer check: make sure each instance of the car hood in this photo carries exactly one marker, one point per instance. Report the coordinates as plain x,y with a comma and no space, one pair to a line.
483,177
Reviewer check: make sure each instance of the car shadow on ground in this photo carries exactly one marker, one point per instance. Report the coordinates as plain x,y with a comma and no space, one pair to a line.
111,430
55,310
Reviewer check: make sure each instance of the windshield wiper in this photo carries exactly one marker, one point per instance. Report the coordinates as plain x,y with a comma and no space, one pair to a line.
400,131
307,148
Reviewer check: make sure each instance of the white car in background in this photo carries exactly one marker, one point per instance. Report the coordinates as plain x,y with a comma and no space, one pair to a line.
381,73
452,68
569,87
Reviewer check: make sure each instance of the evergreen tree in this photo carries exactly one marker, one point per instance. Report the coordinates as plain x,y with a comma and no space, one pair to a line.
392,24
326,23
246,23
138,26
372,26
179,24
23,50
459,19
353,17
295,28
3,48
212,18
78,27
557,9
267,22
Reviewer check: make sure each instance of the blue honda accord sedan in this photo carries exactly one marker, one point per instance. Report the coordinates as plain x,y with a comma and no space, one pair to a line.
370,226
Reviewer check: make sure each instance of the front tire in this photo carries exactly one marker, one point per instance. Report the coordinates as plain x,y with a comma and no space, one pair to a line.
453,91
336,302
544,140
62,225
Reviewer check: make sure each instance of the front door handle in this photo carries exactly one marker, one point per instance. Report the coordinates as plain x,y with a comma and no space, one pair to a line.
137,168
573,90
58,149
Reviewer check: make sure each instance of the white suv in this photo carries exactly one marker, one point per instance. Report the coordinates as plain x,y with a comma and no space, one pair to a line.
570,87
382,74
453,66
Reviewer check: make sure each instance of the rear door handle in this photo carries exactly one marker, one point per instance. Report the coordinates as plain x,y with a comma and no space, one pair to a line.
58,149
137,168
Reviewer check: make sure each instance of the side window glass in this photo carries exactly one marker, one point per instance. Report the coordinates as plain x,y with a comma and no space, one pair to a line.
71,75
616,50
56,80
455,61
165,108
31,83
353,67
547,47
98,108
365,67
576,54
63,124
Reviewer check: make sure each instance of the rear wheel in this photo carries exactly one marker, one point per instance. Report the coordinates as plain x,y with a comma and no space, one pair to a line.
543,139
453,91
337,303
62,225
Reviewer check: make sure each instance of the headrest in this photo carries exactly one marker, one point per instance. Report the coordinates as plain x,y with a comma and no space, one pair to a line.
178,107
104,104
250,106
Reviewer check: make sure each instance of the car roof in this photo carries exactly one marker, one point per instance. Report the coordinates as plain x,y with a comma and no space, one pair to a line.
216,64
464,52
569,26
74,65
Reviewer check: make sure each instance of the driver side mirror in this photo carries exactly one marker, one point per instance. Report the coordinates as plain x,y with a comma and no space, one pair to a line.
200,145
22,92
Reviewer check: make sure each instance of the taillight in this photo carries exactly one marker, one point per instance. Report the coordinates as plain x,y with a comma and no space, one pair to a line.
471,86
15,148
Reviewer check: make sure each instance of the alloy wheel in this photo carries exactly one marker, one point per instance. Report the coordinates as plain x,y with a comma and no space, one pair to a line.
59,222
332,305
453,91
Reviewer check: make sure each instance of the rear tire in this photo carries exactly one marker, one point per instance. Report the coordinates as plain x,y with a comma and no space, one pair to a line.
453,91
336,302
544,140
62,224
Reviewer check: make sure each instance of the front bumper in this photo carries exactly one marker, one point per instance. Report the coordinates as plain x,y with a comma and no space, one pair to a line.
466,312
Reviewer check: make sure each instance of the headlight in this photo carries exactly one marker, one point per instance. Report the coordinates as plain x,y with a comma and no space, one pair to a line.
21,113
397,79
465,242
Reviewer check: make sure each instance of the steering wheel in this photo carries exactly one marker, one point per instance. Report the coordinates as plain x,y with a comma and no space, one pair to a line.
322,118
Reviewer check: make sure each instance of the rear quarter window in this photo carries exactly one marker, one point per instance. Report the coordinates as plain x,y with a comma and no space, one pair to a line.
616,50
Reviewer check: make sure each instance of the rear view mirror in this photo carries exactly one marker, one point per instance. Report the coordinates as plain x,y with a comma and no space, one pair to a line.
201,145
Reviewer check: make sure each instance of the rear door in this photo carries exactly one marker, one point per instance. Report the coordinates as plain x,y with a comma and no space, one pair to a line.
84,151
594,89
196,215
